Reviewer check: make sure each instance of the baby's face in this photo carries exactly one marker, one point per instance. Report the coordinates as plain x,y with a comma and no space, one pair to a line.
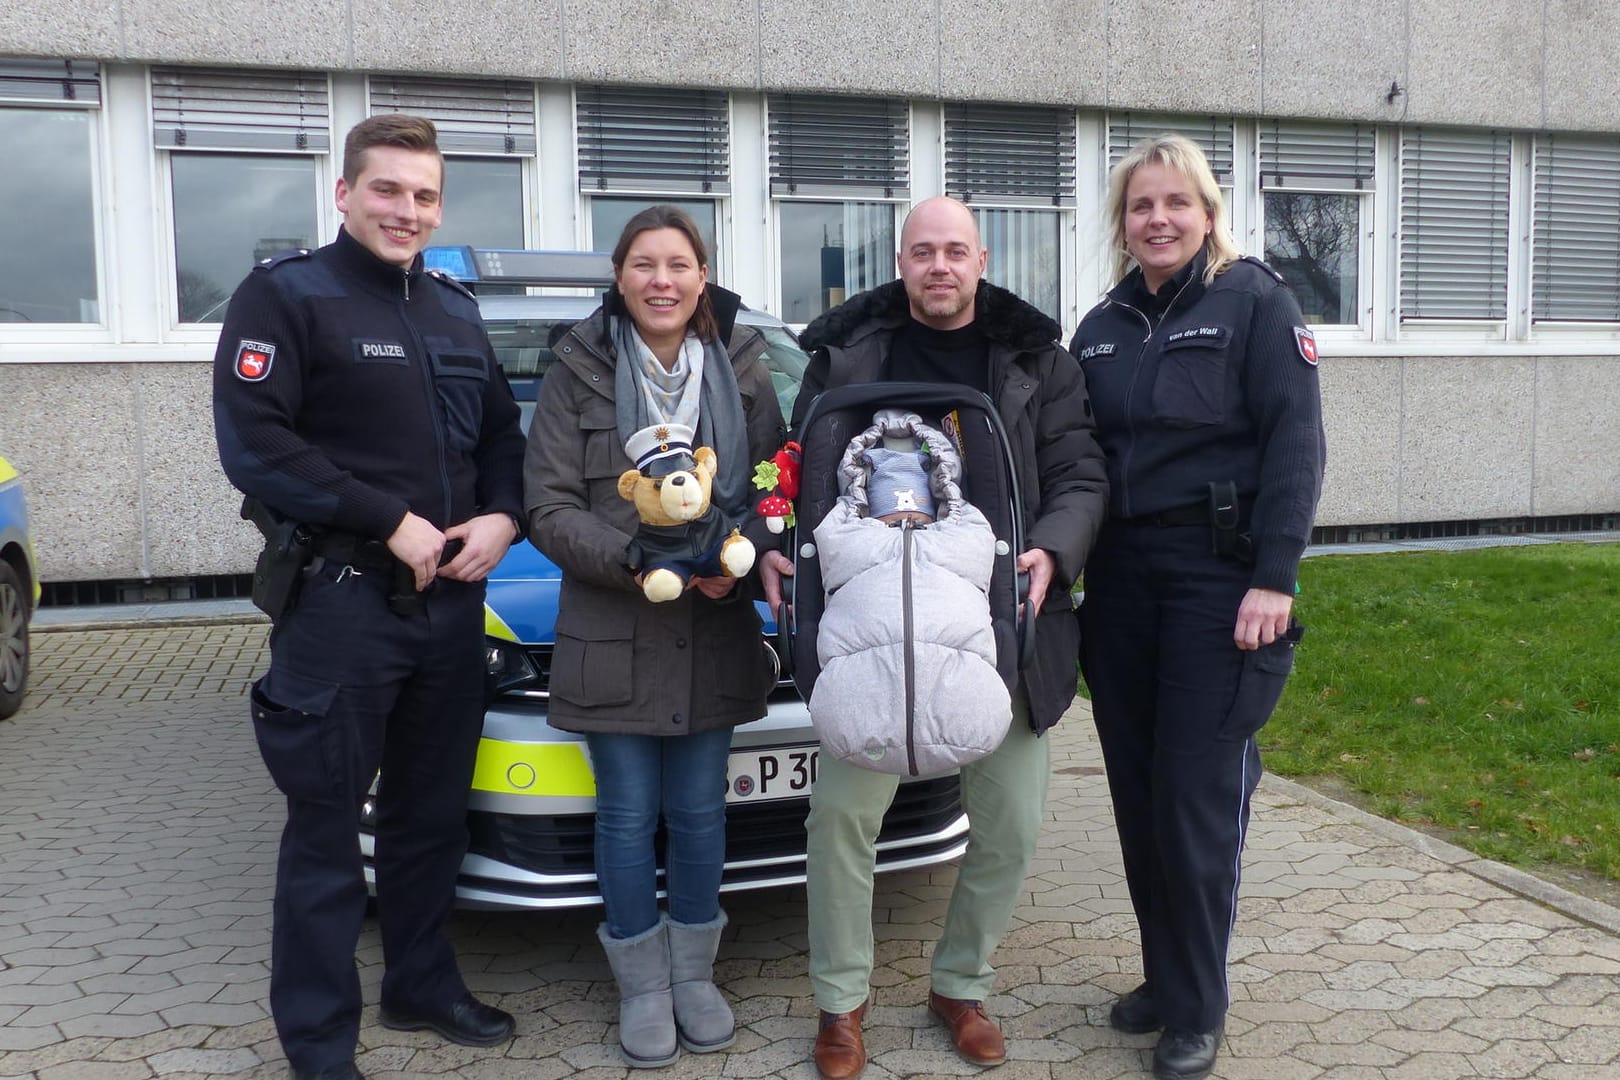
916,517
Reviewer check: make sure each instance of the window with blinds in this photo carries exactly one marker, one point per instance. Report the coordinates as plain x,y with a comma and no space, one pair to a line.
1009,155
50,82
1317,157
1454,224
1575,259
653,139
1213,134
839,147
474,116
203,109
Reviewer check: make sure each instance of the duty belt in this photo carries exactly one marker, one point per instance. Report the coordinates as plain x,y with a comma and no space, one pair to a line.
367,556
1197,513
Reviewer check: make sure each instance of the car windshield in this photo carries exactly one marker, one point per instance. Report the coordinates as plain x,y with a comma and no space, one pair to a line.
523,348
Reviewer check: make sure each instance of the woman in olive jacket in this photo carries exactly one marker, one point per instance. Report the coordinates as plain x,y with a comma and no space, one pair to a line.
655,688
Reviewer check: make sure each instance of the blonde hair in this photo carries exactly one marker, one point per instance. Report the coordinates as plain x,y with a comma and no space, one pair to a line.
1181,155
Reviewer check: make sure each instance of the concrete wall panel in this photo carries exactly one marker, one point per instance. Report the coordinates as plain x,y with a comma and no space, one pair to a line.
74,435
1045,51
1582,92
1326,58
849,47
1363,422
501,38
1184,56
192,512
1467,436
1577,460
59,28
1479,64
682,43
253,33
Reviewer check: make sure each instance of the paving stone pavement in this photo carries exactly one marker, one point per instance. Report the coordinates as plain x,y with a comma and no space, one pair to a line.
138,834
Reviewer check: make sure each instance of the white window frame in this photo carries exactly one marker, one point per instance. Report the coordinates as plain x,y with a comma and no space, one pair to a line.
1364,328
1553,331
1454,330
720,257
70,335
324,180
898,202
1064,212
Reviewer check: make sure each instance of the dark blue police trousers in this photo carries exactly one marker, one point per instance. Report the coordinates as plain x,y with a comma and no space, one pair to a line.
1177,705
351,687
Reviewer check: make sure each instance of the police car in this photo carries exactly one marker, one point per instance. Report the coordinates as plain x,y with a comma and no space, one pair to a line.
19,590
532,809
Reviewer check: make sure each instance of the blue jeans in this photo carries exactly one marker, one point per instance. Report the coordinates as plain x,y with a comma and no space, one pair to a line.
637,776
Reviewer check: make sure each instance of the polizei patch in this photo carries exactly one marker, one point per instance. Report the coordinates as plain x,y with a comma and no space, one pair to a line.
1307,345
253,360
380,352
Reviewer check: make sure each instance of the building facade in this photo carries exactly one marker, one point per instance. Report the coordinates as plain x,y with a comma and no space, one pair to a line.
1441,185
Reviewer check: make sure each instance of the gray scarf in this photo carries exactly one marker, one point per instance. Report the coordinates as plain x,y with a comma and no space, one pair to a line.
720,426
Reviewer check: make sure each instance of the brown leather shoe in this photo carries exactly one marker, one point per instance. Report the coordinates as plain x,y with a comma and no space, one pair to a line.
840,1050
976,1036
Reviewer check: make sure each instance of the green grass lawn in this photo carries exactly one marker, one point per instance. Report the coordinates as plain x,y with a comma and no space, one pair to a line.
1476,691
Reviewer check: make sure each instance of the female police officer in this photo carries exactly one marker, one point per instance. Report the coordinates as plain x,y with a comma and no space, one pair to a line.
1203,379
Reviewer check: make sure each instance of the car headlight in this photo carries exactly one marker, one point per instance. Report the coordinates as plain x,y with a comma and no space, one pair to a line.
507,667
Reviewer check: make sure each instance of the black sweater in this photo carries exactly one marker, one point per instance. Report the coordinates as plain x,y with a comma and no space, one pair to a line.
1210,383
348,391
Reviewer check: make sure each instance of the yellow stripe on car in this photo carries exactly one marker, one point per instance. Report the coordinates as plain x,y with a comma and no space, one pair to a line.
6,471
553,769
495,626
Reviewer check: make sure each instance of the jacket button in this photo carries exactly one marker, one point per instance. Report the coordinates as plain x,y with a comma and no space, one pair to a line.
596,378
1026,386
675,719
680,643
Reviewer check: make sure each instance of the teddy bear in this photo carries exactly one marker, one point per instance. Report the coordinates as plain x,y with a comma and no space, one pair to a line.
681,535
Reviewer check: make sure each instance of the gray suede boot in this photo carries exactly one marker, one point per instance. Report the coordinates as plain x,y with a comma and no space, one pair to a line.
646,1006
702,1016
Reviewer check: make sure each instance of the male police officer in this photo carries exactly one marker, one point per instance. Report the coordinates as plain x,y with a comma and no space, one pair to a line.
358,398
942,323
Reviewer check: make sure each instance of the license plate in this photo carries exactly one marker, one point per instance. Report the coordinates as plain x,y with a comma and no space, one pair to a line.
784,772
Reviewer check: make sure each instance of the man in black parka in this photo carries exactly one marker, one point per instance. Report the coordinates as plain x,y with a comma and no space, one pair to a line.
942,323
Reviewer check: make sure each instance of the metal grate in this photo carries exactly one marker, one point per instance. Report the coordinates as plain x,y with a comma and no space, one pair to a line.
145,590
1451,530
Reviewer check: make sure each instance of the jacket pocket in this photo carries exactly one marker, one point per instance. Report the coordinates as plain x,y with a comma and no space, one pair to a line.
1190,390
301,744
459,376
603,448
1260,684
740,670
593,662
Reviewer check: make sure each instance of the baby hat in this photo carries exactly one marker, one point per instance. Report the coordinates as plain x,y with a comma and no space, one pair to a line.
898,482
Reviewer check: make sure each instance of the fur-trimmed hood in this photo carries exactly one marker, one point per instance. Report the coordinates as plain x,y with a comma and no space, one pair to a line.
1002,317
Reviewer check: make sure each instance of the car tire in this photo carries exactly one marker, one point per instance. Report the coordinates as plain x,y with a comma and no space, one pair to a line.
14,606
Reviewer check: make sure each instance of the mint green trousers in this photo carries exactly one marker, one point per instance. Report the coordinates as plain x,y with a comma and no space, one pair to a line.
1004,795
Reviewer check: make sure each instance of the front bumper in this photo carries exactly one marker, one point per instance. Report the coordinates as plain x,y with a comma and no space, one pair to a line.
533,800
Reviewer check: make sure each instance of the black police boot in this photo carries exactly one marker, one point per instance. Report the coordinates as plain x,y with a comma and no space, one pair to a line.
1185,1055
468,1021
1135,1013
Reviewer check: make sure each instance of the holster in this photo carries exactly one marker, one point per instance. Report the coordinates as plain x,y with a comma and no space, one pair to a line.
1225,517
279,571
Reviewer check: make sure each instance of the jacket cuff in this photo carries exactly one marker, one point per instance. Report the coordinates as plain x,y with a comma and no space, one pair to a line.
1276,564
